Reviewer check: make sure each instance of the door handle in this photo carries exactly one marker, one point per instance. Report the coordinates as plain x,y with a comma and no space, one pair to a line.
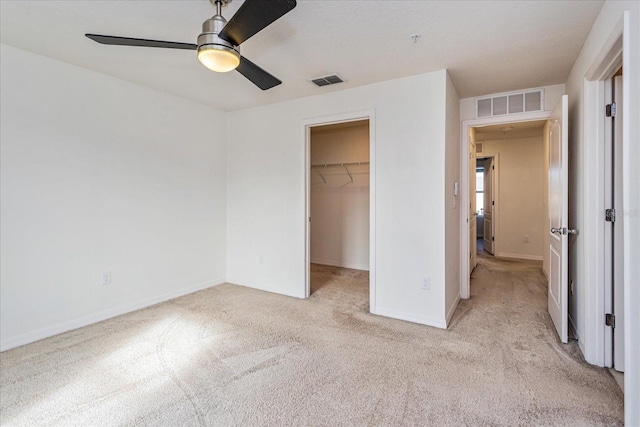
564,231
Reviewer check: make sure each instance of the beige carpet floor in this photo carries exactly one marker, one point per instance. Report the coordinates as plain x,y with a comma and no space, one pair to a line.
230,355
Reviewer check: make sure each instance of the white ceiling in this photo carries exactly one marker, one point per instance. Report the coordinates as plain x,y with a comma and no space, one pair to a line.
488,46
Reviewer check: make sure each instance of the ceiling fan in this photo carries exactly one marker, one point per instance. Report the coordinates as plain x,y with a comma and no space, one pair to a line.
219,44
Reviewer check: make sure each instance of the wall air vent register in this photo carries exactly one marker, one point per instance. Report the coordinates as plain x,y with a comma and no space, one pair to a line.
510,103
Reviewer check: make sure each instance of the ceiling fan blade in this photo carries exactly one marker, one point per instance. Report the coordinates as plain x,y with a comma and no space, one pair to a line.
257,75
253,16
128,41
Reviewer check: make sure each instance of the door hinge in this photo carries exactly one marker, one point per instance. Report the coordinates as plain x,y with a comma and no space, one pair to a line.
493,203
610,110
610,215
610,320
493,168
493,238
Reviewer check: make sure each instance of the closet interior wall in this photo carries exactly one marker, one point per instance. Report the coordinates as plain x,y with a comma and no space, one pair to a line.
340,195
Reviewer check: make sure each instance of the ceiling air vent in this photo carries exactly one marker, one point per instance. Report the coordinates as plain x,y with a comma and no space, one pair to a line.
510,103
331,79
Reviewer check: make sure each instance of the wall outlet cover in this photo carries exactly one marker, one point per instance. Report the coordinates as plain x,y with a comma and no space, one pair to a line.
105,278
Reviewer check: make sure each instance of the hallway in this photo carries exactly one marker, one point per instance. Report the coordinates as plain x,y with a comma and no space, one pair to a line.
502,341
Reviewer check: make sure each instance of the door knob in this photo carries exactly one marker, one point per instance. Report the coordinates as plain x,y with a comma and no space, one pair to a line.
564,231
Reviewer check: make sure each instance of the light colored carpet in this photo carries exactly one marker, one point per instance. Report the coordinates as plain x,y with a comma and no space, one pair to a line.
231,355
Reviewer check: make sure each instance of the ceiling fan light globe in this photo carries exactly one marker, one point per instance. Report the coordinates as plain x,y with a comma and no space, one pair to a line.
218,58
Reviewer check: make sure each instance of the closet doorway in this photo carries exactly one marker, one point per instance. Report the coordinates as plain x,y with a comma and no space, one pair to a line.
340,210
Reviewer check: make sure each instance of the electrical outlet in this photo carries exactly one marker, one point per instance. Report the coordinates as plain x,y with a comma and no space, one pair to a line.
426,283
525,239
105,279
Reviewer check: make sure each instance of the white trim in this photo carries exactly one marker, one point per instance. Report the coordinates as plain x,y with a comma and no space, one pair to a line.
306,126
630,138
464,185
521,256
452,310
410,318
334,263
80,322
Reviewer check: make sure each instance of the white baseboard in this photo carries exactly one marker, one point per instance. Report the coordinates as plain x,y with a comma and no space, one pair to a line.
49,331
334,263
410,318
546,275
452,309
521,256
267,288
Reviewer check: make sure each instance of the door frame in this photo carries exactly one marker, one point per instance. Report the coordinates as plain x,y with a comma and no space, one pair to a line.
613,286
596,334
306,126
465,282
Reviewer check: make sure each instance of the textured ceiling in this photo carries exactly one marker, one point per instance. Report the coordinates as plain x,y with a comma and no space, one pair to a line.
488,46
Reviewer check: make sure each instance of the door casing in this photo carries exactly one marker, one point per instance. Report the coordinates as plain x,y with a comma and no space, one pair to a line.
595,339
306,126
465,291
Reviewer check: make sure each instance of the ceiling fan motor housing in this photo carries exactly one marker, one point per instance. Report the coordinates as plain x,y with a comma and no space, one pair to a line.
209,37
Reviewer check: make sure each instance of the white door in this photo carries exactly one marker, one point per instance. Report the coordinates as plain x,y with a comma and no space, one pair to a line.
473,233
489,204
558,218
618,235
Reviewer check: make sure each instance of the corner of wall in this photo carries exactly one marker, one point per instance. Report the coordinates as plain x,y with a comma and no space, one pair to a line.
452,203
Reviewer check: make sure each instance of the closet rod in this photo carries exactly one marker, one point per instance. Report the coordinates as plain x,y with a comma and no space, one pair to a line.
328,165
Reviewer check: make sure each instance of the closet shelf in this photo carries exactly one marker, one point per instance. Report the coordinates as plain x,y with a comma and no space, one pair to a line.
341,165
330,165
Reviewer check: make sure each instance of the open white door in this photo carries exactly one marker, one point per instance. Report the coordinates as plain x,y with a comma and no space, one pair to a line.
489,203
473,232
558,218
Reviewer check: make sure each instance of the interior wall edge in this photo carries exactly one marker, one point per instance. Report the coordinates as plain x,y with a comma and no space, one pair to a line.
520,256
336,263
452,309
410,317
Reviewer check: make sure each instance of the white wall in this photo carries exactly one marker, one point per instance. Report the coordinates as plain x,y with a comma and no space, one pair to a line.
521,192
101,175
266,193
452,200
339,208
583,299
